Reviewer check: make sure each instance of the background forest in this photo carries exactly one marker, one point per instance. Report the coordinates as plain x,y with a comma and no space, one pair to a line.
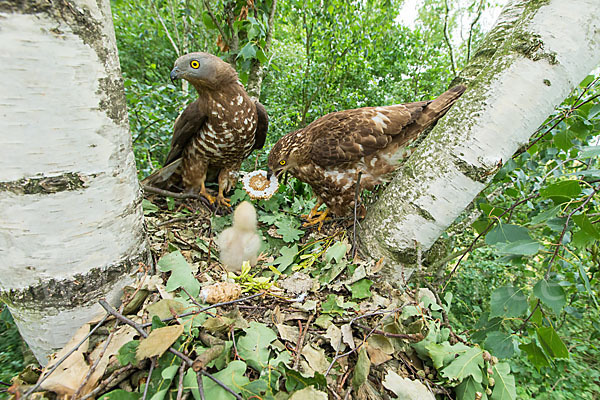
521,266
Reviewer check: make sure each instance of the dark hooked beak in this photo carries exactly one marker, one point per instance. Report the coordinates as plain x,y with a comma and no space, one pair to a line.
269,173
174,75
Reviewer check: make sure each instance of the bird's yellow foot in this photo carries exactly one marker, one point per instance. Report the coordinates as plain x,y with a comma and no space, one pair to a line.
317,218
223,201
210,198
312,212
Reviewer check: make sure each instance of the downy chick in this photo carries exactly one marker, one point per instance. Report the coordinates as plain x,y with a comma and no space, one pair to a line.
241,242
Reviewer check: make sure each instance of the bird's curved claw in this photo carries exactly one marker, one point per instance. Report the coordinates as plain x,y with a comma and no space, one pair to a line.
210,198
223,201
318,218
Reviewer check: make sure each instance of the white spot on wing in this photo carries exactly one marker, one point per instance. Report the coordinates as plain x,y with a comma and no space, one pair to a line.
379,120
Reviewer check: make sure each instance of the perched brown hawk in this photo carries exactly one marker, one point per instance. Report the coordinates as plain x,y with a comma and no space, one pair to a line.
329,153
215,133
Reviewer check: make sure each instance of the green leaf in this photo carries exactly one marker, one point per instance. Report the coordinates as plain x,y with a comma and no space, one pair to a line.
181,273
546,215
467,364
507,301
336,252
127,353
289,233
562,140
561,192
294,380
330,306
468,390
551,294
254,346
442,353
590,151
260,54
248,51
551,342
232,376
503,233
361,289
504,388
526,247
149,207
287,257
207,20
535,355
586,225
120,394
500,344
361,369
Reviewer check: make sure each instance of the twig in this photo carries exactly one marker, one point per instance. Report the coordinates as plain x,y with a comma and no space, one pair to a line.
200,386
171,350
356,193
479,12
301,340
447,38
174,220
149,378
162,22
180,385
113,380
216,22
562,234
168,193
196,312
95,365
485,231
63,358
415,337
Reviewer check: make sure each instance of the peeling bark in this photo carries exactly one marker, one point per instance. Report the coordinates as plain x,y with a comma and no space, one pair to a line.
536,54
71,223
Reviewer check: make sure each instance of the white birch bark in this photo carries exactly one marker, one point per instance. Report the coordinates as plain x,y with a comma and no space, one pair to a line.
71,224
537,53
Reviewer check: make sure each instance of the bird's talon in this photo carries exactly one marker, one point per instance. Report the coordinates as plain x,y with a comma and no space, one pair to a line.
223,201
318,218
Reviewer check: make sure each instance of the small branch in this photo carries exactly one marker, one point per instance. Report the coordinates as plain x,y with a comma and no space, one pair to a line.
216,22
479,12
447,38
562,234
63,358
168,193
149,378
485,231
162,22
171,350
356,194
117,377
196,312
303,333
415,337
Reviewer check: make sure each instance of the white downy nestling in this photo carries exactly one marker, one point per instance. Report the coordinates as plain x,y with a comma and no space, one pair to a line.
242,241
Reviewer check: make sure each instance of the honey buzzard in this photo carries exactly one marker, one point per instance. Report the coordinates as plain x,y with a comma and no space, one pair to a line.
329,153
215,133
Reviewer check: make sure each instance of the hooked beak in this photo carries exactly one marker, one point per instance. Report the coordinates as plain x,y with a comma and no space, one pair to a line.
269,173
174,74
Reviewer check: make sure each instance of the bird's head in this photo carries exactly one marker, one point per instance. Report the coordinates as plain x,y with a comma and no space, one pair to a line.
284,156
203,70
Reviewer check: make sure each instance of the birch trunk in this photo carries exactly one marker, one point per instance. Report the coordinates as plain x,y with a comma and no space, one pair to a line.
536,54
71,224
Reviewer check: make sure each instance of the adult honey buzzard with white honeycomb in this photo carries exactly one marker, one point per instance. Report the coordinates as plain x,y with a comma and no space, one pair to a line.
215,133
329,153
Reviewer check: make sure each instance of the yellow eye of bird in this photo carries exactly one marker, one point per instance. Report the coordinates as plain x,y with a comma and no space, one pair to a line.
194,64
282,162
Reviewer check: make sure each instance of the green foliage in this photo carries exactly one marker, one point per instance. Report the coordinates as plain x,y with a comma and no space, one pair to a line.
11,352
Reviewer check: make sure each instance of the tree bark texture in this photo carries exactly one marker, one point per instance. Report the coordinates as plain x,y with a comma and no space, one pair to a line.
536,54
71,223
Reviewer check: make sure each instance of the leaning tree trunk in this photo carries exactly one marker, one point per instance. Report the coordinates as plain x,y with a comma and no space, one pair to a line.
536,54
71,224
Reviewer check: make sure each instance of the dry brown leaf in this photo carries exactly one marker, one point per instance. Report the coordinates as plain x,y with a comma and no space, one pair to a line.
289,333
347,335
68,376
220,292
316,358
377,356
165,308
122,335
158,341
334,334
